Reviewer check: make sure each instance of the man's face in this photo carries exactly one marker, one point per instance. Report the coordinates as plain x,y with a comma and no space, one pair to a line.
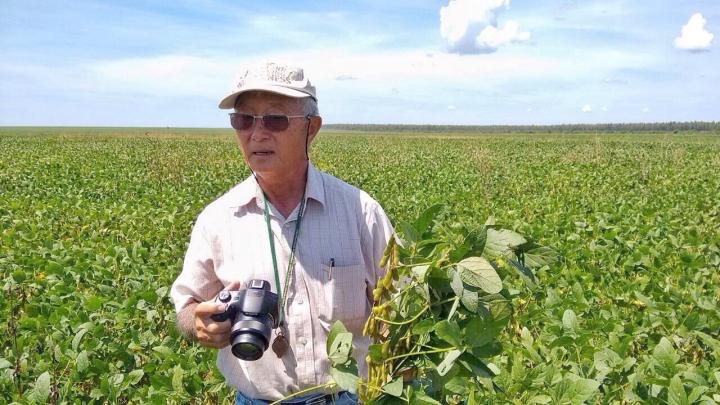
274,154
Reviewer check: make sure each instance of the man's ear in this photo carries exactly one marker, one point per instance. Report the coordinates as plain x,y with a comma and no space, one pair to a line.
314,128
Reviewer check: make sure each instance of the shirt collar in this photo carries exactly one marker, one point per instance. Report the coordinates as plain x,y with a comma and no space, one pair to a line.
249,191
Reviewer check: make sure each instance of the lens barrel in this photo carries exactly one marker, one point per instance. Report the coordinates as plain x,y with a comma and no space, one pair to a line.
253,312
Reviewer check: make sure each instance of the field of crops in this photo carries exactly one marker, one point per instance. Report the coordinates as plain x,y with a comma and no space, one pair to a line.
94,224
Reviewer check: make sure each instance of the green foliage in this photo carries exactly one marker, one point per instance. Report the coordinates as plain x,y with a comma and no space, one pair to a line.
439,311
94,224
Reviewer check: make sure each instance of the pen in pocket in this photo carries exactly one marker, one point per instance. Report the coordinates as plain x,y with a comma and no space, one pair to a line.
331,265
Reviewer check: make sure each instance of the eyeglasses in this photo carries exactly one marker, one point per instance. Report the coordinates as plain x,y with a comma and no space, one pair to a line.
271,122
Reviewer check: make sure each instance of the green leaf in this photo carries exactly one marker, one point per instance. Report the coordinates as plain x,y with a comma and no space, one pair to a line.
676,392
77,338
135,376
478,272
408,232
375,352
336,328
448,361
606,361
164,350
421,398
4,363
93,303
480,331
469,296
526,275
346,375
570,323
340,348
423,327
177,378
539,399
394,388
710,341
471,398
696,393
82,362
449,331
501,242
497,307
458,385
537,256
422,224
19,276
574,389
116,379
419,272
665,358
41,390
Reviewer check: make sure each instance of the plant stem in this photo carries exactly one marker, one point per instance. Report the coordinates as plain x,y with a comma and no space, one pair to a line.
13,333
316,387
382,390
394,297
444,349
416,316
407,321
415,264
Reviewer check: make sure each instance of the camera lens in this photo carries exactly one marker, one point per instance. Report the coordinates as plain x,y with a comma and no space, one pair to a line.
253,311
247,346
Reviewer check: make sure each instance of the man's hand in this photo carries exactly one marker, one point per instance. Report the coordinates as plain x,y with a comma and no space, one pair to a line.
210,333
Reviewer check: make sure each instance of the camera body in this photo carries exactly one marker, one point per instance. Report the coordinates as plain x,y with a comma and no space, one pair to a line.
253,313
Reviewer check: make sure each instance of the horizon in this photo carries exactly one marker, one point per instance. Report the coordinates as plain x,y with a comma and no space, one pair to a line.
324,126
147,64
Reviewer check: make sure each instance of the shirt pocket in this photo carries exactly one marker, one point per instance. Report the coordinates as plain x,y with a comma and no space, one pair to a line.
346,296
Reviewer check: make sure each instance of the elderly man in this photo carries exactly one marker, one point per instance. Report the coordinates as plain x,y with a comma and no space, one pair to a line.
314,239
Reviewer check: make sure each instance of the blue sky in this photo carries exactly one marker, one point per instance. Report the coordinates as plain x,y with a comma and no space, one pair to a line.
159,63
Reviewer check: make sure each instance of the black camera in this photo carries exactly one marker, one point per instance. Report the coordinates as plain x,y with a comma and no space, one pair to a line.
253,312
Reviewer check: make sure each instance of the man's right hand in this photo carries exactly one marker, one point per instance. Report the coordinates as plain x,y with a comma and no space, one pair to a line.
210,333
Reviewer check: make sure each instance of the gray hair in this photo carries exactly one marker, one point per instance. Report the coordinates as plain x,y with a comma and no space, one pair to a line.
309,106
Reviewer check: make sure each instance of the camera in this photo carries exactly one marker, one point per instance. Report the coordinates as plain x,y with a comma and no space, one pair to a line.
253,312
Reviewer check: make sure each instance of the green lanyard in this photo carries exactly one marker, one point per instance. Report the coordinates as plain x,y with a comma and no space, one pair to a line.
291,261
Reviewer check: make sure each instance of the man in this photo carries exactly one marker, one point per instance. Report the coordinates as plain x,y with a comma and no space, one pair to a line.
315,239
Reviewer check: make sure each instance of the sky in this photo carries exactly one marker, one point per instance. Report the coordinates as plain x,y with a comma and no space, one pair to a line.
469,62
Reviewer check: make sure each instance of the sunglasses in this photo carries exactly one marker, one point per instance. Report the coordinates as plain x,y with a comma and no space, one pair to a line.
271,122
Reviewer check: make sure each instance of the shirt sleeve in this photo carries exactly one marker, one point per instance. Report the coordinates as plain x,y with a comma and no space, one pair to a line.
197,282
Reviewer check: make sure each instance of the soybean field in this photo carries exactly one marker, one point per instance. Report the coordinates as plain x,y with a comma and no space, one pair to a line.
94,224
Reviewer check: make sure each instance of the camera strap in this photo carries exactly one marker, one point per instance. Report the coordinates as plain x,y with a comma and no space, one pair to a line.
291,262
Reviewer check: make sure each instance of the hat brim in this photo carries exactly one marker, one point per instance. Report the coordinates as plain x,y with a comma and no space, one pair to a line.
229,101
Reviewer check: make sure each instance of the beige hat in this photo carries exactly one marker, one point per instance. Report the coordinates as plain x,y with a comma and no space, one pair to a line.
271,77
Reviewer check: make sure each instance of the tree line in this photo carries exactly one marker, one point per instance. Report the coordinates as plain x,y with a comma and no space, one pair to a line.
673,126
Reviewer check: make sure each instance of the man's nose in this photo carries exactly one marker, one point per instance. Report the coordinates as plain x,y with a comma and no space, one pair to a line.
258,130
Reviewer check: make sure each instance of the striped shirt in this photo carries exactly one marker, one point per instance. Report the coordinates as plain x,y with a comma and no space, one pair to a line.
229,242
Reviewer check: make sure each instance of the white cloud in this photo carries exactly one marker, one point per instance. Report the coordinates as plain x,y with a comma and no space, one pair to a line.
611,80
604,108
345,77
164,74
327,68
491,37
529,109
645,109
586,108
694,37
471,26
451,107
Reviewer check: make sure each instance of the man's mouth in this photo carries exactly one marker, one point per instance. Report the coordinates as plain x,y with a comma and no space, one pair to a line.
263,153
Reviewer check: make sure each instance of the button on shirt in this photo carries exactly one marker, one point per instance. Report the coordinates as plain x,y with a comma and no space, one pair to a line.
229,242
